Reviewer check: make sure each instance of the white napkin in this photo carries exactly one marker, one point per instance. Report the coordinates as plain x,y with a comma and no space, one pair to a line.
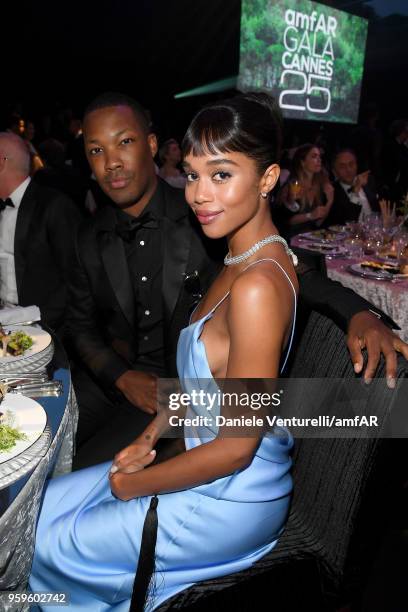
19,314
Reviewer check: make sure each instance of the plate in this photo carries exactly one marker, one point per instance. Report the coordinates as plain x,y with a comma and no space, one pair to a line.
317,236
382,275
41,340
30,418
338,229
332,250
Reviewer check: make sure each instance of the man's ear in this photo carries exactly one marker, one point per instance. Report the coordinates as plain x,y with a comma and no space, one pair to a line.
270,178
152,141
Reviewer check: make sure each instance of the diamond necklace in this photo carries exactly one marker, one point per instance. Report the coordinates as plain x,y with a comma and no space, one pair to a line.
237,259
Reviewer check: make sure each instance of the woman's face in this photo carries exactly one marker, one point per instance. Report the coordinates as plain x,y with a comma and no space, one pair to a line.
313,161
223,190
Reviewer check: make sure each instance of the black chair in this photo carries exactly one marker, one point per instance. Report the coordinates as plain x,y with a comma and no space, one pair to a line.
341,501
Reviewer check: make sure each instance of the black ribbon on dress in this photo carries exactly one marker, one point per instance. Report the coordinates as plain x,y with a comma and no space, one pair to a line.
146,563
4,203
127,231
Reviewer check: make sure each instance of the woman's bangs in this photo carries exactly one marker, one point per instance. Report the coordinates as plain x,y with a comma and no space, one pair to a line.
208,134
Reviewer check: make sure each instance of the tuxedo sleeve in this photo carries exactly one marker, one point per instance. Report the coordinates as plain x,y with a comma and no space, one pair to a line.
333,300
84,329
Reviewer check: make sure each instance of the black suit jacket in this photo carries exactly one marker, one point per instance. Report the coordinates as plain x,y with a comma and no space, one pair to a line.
101,322
47,222
343,209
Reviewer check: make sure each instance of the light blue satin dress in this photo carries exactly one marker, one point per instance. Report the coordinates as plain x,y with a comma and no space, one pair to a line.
88,541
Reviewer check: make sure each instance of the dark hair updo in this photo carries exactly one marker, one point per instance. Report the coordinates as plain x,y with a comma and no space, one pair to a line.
248,123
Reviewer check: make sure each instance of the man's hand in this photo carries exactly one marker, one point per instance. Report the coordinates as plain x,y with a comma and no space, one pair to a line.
360,181
367,331
134,457
140,388
387,212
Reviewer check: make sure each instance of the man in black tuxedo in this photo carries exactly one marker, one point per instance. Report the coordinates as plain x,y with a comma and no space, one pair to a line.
139,265
136,278
37,228
355,194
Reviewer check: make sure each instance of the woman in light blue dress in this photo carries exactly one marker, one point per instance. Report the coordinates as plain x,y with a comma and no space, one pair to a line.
222,503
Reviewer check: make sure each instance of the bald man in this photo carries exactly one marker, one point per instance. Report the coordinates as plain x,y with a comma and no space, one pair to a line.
37,230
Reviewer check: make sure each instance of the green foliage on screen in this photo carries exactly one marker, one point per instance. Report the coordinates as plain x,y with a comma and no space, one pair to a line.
309,56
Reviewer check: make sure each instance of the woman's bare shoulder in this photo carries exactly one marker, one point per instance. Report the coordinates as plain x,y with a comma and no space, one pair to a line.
262,285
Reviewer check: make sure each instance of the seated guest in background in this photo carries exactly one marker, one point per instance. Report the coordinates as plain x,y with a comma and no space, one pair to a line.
28,136
37,228
355,195
307,197
170,157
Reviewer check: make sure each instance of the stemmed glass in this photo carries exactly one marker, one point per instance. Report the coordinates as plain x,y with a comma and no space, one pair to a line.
354,241
295,190
401,244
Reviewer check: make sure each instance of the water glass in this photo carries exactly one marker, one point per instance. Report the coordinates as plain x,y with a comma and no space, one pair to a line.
354,247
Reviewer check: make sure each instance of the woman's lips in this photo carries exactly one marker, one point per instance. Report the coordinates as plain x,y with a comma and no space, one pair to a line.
206,216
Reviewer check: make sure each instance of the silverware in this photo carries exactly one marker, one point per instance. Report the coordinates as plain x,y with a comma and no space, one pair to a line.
15,380
17,324
53,387
38,385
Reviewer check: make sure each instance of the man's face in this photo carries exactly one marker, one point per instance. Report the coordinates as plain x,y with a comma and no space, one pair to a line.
345,167
120,154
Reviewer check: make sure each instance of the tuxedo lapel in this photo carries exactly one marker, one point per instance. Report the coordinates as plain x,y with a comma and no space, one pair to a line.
114,261
176,250
26,214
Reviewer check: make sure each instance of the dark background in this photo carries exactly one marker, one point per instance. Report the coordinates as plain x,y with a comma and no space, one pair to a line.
57,54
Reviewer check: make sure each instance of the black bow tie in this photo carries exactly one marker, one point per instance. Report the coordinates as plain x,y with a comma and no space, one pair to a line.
127,231
4,203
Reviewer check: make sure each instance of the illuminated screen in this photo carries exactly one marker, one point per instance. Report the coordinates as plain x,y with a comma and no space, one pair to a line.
309,56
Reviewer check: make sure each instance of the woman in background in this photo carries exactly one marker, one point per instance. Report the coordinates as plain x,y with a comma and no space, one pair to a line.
170,158
308,194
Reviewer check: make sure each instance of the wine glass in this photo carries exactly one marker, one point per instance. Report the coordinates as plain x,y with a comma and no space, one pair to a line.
401,243
294,189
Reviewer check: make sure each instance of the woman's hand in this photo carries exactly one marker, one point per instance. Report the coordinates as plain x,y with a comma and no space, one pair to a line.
123,486
319,213
329,192
134,457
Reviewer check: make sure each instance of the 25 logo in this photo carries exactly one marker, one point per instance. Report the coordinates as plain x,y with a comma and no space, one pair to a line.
309,87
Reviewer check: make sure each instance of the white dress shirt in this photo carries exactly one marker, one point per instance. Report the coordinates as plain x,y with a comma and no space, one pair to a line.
8,220
359,198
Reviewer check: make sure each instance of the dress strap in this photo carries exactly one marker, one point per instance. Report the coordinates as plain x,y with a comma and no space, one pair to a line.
214,308
295,296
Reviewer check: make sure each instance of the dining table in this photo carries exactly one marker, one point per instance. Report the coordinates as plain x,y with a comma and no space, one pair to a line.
388,294
23,478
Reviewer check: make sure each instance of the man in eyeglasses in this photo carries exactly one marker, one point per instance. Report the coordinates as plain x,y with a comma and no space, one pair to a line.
37,228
